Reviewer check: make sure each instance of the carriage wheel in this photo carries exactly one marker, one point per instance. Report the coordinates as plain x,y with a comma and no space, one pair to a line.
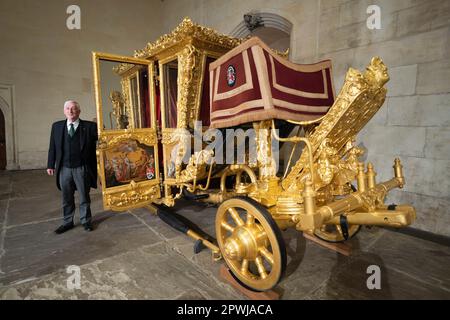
333,233
251,243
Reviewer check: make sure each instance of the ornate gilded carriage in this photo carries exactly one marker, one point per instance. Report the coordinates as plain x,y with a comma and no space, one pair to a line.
148,108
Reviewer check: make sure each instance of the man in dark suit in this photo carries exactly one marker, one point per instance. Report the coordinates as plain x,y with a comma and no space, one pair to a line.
72,158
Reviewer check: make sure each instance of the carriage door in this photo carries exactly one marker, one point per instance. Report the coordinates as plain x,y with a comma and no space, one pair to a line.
127,152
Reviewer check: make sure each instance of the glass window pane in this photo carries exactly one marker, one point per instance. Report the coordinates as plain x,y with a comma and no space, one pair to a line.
170,91
125,95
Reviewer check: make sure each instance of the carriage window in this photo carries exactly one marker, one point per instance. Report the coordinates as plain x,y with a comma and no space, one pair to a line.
170,92
125,95
134,93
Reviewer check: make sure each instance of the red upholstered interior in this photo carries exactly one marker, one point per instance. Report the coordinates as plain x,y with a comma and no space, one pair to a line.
158,117
204,106
143,78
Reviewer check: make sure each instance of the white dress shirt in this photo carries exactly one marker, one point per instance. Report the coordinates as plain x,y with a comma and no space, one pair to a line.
75,124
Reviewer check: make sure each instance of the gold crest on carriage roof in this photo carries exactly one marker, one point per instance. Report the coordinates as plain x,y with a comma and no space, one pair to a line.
147,108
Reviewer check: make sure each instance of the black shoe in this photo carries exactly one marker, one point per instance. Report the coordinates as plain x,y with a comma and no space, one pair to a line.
63,228
88,226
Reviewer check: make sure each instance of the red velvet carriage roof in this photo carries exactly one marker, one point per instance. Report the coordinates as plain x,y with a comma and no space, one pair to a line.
251,83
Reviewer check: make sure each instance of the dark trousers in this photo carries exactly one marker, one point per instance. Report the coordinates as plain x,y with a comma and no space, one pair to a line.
69,180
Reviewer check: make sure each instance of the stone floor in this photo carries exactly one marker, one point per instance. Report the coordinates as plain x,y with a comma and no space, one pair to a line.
134,255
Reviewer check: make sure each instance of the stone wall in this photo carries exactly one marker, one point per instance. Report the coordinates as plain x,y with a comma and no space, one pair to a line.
414,123
414,42
47,64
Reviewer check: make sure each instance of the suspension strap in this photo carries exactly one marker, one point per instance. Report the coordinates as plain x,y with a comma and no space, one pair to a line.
344,226
392,207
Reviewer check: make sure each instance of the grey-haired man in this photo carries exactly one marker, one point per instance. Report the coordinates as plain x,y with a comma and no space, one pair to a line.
72,159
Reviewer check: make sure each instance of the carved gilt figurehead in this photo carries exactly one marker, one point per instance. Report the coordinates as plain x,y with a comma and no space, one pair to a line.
376,72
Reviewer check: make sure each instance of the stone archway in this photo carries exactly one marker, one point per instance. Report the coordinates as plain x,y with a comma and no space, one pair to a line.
273,29
6,107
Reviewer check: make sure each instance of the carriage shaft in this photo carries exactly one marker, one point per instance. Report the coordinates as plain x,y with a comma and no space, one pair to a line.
366,206
358,200
401,216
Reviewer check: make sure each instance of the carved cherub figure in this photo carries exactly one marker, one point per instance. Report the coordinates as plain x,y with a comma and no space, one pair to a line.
325,165
376,72
348,168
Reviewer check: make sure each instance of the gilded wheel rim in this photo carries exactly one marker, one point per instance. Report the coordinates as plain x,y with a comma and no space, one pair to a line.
333,233
250,243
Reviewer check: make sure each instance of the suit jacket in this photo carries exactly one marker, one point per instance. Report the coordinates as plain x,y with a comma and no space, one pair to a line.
88,143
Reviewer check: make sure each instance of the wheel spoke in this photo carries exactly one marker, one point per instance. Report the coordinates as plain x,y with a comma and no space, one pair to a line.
267,254
250,219
261,269
339,229
236,217
227,226
244,266
261,236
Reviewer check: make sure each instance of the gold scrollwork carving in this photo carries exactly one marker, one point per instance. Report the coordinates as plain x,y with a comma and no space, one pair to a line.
360,98
125,83
130,198
189,61
168,138
196,167
123,67
107,141
265,160
188,30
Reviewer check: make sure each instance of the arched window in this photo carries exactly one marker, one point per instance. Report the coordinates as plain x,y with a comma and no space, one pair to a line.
273,29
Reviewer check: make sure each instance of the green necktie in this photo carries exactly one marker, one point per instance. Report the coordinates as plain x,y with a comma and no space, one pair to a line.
71,130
